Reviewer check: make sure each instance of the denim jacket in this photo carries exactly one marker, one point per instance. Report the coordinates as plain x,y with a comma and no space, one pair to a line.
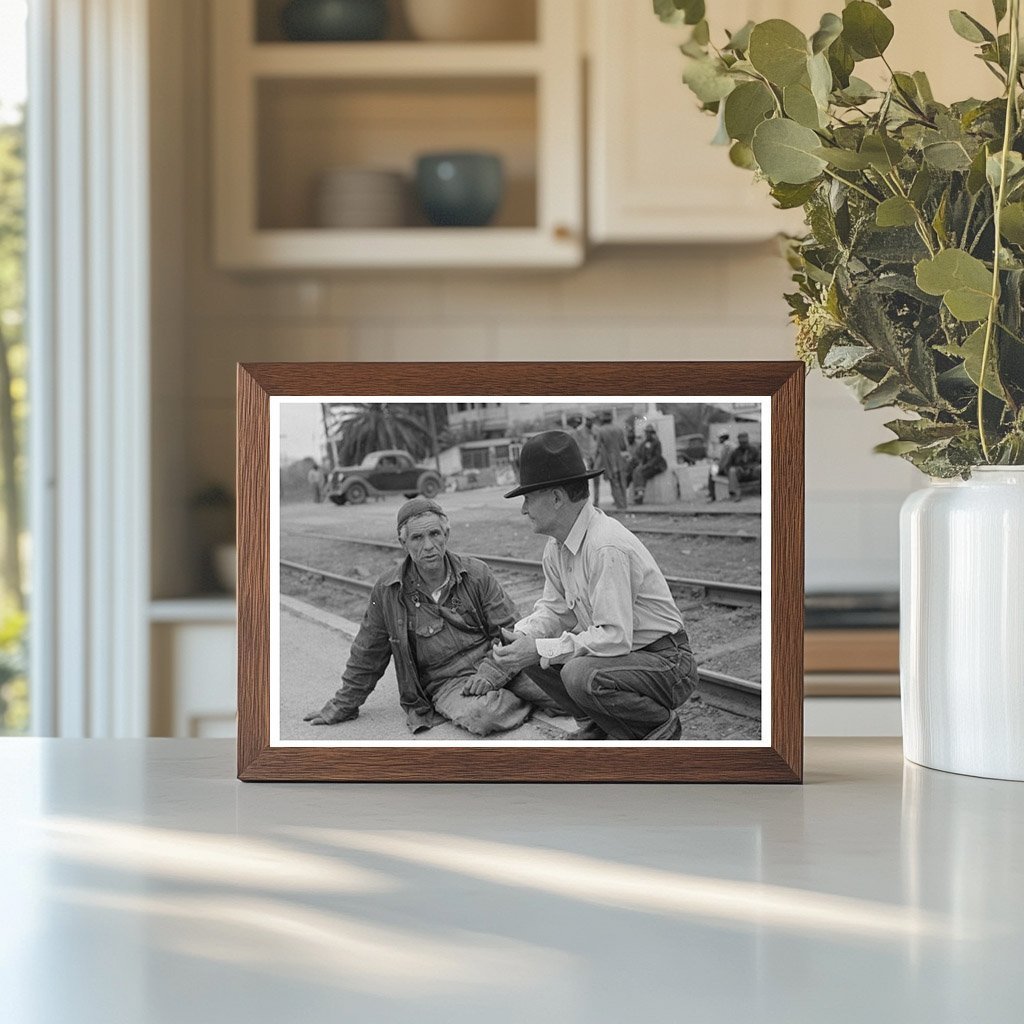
384,634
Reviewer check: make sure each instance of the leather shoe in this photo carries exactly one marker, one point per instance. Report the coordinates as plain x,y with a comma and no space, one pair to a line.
590,731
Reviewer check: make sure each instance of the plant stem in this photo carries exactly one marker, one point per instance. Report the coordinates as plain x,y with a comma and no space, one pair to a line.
993,309
850,184
922,225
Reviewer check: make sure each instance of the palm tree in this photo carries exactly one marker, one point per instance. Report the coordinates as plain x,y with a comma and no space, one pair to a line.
371,426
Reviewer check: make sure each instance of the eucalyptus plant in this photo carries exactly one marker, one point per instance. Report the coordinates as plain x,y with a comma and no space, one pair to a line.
909,281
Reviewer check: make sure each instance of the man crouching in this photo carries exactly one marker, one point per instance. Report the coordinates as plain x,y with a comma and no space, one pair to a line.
437,614
605,640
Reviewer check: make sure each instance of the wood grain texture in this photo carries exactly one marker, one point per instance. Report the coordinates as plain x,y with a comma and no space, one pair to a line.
252,485
783,382
852,650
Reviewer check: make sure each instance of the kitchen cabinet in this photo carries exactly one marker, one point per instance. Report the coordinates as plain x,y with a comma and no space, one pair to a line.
653,175
193,673
287,113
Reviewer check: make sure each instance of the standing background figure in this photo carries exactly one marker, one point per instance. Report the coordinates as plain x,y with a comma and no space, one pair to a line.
613,457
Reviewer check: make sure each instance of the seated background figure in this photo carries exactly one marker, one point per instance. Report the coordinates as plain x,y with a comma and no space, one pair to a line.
743,466
649,462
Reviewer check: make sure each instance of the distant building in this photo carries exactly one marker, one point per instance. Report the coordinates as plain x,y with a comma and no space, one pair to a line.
511,419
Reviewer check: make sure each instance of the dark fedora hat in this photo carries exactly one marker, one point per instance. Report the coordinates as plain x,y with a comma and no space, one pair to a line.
549,460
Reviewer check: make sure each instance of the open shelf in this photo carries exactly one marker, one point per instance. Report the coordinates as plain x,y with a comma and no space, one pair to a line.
306,128
394,60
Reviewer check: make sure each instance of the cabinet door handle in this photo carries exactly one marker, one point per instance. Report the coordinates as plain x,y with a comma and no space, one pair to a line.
563,232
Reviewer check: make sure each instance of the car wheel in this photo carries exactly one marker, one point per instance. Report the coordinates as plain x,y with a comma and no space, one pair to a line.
356,494
430,487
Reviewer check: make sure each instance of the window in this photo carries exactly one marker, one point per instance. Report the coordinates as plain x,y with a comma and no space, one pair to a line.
14,705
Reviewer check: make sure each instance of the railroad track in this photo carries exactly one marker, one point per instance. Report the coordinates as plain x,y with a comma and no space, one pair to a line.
670,531
740,694
732,595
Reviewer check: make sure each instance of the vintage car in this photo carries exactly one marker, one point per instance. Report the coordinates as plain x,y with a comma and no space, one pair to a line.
380,473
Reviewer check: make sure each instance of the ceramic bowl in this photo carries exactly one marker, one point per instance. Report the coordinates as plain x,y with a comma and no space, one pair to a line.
334,20
460,189
358,197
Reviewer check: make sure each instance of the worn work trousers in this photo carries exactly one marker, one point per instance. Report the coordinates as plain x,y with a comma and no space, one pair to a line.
632,697
617,478
496,711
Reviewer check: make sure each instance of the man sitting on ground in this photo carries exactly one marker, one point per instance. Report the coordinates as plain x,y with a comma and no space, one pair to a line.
437,614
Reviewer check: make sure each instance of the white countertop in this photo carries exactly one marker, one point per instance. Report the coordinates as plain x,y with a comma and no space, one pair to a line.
143,884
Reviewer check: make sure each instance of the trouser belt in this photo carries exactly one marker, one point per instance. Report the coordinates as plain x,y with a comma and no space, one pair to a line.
679,639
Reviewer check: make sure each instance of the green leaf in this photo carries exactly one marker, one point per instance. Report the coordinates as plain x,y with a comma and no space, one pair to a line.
883,153
841,60
778,50
742,155
939,220
701,33
921,185
963,281
968,28
1011,226
676,12
971,352
745,108
785,152
999,6
946,156
820,75
844,159
789,197
924,88
923,431
721,137
800,105
707,80
885,394
896,212
976,174
895,447
739,41
830,29
994,167
866,29
857,91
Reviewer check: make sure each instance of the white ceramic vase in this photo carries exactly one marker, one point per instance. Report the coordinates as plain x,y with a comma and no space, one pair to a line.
962,624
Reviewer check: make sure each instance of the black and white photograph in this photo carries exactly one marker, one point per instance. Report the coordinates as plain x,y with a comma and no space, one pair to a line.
519,571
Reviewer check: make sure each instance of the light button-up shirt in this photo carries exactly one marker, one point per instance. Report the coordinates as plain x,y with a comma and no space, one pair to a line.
604,594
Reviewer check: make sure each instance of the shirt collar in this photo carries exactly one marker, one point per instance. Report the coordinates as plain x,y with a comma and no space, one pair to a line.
574,541
406,576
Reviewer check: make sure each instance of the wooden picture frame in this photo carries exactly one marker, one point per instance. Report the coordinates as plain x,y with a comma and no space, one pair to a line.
776,757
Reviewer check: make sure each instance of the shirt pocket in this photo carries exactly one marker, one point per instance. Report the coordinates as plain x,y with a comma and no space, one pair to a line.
427,625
